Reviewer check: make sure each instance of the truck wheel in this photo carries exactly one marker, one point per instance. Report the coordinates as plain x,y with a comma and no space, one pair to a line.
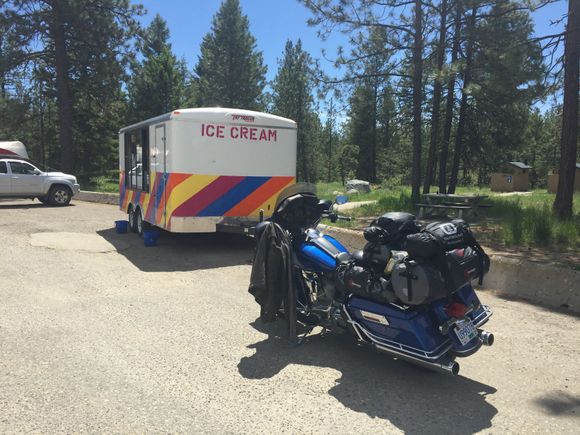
59,195
43,199
131,218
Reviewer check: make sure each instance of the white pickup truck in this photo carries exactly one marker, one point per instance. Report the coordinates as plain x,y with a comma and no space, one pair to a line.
21,179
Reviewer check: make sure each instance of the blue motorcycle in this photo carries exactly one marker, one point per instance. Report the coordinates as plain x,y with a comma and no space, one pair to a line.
408,292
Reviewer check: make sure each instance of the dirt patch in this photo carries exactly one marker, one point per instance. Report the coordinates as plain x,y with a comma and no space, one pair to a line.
63,241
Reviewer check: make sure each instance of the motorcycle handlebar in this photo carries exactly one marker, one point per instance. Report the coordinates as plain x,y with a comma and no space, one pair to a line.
334,217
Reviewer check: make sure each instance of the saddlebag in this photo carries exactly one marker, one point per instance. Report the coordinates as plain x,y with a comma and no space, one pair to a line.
417,282
452,248
463,266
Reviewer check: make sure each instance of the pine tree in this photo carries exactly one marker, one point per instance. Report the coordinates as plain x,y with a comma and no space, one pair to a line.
158,84
79,50
362,128
292,98
230,70
569,139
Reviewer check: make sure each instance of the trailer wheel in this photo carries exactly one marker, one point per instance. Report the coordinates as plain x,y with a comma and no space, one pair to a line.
131,218
139,223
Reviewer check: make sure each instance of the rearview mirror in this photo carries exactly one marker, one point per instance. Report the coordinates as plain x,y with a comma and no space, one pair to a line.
341,199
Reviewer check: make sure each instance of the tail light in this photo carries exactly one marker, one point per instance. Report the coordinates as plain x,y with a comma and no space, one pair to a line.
456,310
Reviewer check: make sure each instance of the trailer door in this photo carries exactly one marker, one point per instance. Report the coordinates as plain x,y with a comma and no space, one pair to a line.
160,162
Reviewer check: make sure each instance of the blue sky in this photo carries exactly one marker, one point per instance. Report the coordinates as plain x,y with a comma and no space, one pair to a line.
273,22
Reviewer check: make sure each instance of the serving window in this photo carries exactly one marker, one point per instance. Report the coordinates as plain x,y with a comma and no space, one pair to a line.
137,159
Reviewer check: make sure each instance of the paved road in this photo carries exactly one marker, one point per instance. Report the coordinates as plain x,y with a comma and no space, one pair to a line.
165,339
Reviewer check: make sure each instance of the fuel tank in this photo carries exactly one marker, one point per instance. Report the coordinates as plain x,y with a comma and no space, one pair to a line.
321,252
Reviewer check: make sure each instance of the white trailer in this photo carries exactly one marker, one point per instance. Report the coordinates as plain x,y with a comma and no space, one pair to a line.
13,148
205,169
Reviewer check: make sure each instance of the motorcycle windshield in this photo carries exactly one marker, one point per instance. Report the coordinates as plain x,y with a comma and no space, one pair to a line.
295,189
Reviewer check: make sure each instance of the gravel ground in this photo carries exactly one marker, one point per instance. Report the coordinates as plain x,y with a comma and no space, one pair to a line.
99,334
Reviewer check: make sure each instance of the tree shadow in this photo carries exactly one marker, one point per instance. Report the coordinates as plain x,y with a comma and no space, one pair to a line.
560,403
414,399
182,252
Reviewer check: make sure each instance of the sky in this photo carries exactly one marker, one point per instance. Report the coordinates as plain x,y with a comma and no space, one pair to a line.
273,22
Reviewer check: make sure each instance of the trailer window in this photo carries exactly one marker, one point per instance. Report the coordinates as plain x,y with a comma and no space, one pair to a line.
137,159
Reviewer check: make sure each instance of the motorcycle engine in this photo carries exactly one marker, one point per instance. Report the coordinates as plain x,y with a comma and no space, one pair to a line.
376,256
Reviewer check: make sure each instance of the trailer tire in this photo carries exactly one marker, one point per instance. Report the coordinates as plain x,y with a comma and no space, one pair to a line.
139,222
131,218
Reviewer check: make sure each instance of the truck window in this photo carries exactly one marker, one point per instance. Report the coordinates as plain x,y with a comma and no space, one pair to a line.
3,168
21,168
137,159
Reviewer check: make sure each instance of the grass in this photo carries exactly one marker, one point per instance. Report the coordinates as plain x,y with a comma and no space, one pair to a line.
512,221
108,183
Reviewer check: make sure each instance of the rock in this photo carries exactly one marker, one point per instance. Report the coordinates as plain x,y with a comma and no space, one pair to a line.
358,185
352,192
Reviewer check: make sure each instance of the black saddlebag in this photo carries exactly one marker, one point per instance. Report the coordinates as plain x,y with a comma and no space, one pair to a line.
417,282
453,249
464,265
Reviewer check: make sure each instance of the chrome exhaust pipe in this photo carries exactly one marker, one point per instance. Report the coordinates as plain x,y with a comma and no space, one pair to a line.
451,367
486,338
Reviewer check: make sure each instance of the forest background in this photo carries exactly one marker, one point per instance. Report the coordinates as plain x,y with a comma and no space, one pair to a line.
432,94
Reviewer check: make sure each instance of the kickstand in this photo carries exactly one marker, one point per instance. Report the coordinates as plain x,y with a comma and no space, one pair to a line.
300,338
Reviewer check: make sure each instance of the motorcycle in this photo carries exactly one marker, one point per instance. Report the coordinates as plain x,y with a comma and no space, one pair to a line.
407,293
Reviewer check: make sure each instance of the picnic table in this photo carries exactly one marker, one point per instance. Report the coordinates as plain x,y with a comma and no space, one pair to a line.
466,207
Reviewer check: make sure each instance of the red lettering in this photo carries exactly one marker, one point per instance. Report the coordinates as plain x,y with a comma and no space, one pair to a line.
209,132
220,131
253,134
272,135
234,132
203,129
244,132
263,135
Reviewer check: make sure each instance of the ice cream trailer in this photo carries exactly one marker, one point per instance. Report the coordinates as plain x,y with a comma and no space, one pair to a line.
205,169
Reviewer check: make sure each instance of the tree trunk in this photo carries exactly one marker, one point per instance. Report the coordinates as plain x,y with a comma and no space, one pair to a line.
417,100
57,33
569,138
437,87
373,174
330,128
450,101
463,106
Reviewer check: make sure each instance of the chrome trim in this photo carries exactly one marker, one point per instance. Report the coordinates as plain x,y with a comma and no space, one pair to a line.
352,323
483,317
397,347
442,349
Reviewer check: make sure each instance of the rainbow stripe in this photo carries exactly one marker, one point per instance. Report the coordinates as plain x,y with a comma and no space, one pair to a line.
186,195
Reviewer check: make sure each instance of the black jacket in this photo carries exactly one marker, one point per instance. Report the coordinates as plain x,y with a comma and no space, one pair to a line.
271,281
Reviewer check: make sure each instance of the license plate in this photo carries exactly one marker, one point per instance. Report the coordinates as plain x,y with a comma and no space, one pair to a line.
465,331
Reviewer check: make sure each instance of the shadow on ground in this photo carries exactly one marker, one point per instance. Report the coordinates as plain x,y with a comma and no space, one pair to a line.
22,205
183,252
414,399
560,403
